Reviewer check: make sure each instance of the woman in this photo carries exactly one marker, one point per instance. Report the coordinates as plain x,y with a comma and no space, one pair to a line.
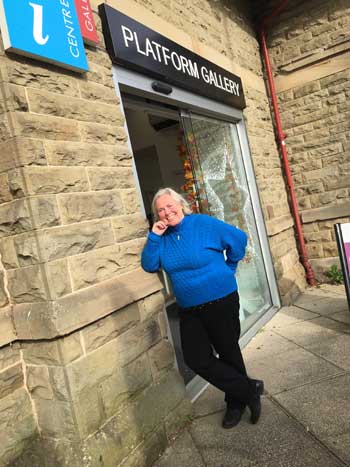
190,248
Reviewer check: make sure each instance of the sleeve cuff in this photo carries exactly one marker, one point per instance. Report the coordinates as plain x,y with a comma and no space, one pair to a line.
154,237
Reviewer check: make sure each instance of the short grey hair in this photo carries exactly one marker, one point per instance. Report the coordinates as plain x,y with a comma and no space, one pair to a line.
177,198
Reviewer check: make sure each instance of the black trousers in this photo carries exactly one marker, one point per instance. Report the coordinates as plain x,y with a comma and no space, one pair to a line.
216,326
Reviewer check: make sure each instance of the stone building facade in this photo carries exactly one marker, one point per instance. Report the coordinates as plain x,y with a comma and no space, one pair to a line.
87,374
310,56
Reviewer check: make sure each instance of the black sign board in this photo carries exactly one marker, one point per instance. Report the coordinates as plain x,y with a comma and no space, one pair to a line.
342,235
133,45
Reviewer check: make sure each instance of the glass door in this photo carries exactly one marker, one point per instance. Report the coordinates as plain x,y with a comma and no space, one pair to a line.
222,191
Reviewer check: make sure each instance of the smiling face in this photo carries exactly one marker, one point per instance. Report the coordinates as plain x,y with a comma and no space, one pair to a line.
169,210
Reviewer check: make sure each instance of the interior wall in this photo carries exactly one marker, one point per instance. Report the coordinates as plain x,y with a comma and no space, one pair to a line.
143,136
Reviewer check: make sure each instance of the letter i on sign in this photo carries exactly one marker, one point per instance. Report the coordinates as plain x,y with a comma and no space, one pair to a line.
38,24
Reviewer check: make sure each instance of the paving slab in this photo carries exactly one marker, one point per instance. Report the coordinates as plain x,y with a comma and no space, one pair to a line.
323,407
211,401
276,441
290,369
267,343
341,316
308,333
340,444
181,453
326,289
290,315
325,337
321,303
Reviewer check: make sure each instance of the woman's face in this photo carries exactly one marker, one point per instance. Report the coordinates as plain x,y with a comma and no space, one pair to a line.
169,210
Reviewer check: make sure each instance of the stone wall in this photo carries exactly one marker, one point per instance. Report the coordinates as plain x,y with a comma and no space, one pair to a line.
83,345
311,59
83,337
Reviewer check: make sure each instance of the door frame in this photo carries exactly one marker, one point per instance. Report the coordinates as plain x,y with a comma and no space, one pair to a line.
140,85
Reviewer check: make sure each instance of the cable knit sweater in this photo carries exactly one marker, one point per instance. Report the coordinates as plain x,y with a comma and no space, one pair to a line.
192,253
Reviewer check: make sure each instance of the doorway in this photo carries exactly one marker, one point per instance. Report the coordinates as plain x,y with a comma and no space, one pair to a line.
199,147
159,149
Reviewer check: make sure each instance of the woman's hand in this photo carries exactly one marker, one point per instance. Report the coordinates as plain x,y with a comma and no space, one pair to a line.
159,227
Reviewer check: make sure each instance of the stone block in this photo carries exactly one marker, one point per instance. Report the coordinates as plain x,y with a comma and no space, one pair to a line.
148,451
38,180
81,207
151,305
98,92
136,421
322,265
102,133
60,242
70,348
17,183
178,418
49,452
11,379
40,77
58,278
131,201
6,131
45,127
4,299
45,211
17,425
129,227
168,392
8,253
9,355
41,353
111,443
14,218
88,412
330,249
124,384
101,74
325,213
47,382
107,360
315,250
38,382
18,152
323,236
16,98
109,179
27,249
87,154
5,193
278,224
47,103
162,358
8,333
45,320
26,285
53,353
107,329
101,265
56,418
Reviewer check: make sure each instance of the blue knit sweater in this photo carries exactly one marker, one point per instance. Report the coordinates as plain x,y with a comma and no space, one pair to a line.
192,253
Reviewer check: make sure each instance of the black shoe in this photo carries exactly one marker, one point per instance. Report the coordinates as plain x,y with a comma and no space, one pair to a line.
255,403
232,417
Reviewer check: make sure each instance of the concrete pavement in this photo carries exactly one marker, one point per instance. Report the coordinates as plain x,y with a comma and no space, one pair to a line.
303,355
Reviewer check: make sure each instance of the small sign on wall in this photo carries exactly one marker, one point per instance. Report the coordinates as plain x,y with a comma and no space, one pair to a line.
44,29
86,21
342,233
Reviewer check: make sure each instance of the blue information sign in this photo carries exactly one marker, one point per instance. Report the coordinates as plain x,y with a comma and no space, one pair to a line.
45,29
